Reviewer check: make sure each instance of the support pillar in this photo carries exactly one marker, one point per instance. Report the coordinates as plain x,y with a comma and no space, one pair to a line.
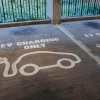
53,11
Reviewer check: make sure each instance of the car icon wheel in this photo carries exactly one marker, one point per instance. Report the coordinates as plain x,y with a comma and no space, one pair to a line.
66,60
35,71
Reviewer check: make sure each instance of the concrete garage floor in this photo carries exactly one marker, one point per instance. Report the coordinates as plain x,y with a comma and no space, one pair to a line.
26,74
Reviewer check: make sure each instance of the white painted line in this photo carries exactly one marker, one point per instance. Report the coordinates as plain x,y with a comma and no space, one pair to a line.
97,34
79,43
37,68
86,35
97,45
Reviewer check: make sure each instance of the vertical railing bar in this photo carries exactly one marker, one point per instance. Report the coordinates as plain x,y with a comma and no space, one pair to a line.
15,10
98,7
32,8
40,10
61,6
72,4
95,7
79,9
24,9
45,8
29,9
12,11
17,7
0,14
3,10
71,8
75,7
37,8
14,6
82,8
64,6
68,7
91,6
6,10
87,8
21,9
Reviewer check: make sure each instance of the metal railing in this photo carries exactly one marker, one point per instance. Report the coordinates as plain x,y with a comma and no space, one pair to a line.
27,10
22,10
77,8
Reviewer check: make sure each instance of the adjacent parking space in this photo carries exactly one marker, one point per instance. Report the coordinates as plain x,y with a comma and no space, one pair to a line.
88,32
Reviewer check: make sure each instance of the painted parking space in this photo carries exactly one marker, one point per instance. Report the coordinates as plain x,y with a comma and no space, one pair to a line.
42,63
88,32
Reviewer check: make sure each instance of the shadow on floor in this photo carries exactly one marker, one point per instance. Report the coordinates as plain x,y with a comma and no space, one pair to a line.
94,25
24,31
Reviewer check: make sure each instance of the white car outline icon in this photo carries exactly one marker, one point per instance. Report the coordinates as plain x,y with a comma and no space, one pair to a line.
35,66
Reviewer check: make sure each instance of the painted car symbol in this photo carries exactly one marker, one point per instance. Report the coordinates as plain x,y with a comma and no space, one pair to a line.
36,67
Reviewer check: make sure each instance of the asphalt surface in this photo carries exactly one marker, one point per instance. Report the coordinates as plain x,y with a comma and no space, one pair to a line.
79,82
